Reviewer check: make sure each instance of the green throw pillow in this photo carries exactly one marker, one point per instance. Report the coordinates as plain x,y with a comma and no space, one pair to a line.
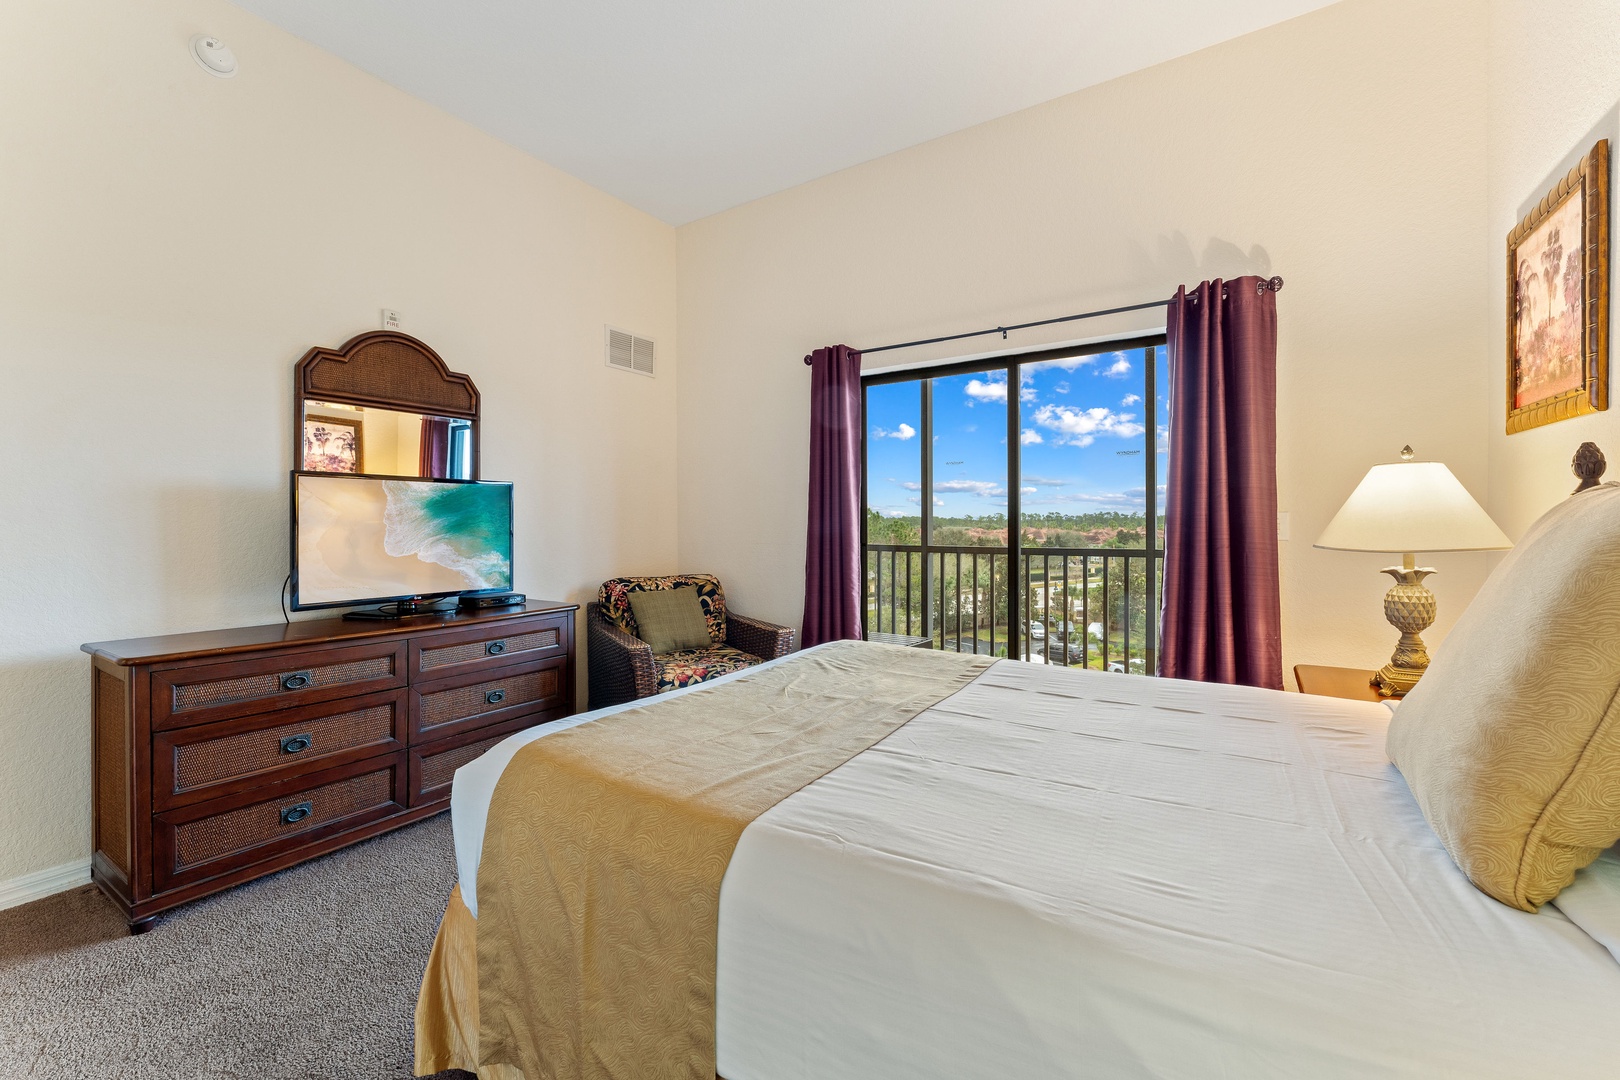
670,619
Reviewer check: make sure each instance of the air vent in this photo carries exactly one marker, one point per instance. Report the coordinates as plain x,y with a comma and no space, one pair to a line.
628,352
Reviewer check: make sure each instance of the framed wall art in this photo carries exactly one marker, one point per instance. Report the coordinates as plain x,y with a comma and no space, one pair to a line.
332,444
1558,300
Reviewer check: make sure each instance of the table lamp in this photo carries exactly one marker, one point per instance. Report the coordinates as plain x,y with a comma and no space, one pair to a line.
1410,506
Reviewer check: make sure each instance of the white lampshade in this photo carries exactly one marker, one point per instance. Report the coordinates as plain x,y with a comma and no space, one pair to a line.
1411,506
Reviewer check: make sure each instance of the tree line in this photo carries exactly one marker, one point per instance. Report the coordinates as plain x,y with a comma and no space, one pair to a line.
1098,529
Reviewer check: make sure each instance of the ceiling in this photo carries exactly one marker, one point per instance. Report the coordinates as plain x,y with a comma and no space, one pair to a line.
686,109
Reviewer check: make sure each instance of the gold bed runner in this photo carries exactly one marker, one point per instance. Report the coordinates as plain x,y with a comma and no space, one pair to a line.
599,886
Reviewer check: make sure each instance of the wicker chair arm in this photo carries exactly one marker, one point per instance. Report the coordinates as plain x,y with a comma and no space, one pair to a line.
757,637
622,667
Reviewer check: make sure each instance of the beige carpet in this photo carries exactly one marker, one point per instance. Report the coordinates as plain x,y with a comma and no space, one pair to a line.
309,973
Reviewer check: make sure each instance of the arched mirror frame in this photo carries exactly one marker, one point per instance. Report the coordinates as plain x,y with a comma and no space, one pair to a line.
384,369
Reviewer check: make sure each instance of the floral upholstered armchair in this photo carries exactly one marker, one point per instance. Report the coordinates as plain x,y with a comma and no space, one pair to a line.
623,667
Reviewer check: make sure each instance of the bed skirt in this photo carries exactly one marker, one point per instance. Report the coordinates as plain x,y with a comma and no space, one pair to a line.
447,1008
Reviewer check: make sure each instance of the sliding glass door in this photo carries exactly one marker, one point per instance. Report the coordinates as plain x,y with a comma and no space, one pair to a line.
1061,566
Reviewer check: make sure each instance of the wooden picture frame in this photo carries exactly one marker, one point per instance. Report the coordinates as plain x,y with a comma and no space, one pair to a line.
342,451
1558,300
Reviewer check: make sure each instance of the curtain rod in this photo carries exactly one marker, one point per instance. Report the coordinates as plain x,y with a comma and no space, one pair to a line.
1274,284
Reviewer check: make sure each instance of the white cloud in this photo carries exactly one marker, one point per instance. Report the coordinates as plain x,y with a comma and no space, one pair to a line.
1045,481
1124,501
1080,427
1066,363
1127,401
1029,436
903,432
991,390
994,389
1120,368
1026,491
980,488
1061,388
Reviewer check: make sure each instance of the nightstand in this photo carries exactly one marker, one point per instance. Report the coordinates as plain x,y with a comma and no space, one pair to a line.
1339,682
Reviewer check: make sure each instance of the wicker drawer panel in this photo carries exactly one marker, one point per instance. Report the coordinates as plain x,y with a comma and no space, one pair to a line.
499,650
466,703
235,833
433,765
207,761
439,769
253,687
200,764
216,691
448,706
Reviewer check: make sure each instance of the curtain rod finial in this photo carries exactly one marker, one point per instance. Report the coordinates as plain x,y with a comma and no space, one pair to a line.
1273,285
808,361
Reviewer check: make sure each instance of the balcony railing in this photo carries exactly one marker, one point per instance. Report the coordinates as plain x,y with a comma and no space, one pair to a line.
1078,607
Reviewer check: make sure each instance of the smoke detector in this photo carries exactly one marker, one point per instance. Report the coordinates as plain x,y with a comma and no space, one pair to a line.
213,57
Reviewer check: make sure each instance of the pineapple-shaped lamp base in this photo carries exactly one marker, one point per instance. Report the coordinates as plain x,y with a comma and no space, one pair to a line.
1410,607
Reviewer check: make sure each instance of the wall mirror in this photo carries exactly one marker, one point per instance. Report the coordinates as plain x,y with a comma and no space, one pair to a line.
386,404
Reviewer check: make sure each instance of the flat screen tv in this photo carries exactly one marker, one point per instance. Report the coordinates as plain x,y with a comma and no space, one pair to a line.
372,539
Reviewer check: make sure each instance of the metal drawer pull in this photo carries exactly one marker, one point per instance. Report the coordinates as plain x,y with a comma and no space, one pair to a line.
292,815
495,697
296,744
495,648
296,681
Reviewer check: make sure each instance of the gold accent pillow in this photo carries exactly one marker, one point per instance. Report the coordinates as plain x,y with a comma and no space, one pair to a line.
670,620
1511,741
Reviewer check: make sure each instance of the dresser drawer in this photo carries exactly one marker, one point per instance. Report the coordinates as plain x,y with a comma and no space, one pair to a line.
197,842
452,706
204,761
434,765
197,694
486,647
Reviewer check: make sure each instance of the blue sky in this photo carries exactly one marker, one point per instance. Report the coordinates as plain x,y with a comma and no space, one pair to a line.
1082,424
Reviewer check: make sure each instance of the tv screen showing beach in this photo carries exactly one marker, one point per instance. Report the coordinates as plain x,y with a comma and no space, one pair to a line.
362,538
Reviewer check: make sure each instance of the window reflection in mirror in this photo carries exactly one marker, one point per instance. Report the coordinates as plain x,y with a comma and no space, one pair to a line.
341,438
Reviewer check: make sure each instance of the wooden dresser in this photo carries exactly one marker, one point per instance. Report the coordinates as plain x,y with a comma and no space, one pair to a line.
226,755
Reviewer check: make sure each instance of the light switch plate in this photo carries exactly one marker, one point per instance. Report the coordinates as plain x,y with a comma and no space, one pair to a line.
1282,525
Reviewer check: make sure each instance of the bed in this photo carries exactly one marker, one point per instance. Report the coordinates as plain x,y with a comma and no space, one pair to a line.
1056,873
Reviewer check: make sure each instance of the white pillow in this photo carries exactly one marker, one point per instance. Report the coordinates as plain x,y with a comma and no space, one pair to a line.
1592,901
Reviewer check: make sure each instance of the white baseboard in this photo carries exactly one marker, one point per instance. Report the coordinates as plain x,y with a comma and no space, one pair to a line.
43,883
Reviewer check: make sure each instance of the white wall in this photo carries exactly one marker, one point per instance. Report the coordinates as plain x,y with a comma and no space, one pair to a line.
170,244
1554,91
1342,150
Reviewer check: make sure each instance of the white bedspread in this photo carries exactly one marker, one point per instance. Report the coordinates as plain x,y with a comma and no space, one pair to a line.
1076,874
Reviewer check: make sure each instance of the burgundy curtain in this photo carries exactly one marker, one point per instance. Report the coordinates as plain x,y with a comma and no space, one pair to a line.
1222,617
434,458
832,561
